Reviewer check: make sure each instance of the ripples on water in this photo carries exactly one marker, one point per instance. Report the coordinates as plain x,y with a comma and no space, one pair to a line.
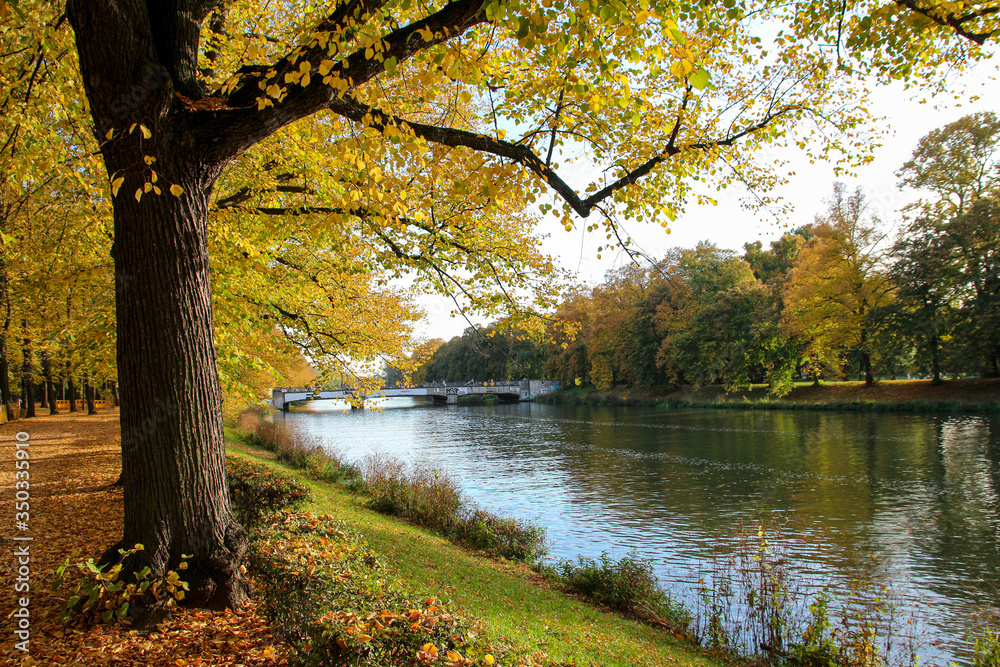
911,499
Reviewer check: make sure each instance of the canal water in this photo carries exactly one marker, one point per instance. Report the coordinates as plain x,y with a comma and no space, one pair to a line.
908,502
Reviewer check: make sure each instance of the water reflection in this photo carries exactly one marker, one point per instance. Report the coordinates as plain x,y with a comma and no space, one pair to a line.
913,498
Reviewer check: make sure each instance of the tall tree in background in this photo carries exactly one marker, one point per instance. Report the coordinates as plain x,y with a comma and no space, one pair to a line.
926,278
947,257
838,282
956,165
976,238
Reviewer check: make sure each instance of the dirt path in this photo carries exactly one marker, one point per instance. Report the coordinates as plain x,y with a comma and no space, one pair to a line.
74,459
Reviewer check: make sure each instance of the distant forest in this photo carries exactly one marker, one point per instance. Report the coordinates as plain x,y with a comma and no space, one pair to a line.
836,298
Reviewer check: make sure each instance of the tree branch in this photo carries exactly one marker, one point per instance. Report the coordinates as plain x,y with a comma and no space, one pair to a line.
955,21
238,128
446,136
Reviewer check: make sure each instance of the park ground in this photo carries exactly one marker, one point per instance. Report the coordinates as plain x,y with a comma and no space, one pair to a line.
75,460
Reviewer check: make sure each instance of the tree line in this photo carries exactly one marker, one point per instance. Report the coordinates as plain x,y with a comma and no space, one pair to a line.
835,298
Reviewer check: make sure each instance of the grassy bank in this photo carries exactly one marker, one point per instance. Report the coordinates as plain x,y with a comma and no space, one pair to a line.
967,395
510,603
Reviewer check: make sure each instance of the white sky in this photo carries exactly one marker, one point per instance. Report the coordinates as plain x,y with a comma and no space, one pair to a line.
728,225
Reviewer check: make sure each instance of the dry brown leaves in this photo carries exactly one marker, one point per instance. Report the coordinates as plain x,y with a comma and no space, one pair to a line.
74,460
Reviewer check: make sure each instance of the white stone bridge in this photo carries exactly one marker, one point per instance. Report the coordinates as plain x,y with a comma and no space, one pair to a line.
441,394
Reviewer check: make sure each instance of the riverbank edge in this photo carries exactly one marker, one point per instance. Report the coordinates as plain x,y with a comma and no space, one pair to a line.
512,600
916,396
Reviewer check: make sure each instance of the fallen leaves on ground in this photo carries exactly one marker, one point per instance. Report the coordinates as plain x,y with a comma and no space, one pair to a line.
74,460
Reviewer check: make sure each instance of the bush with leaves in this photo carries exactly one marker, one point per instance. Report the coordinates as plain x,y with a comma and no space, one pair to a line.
256,491
627,585
501,537
329,596
101,590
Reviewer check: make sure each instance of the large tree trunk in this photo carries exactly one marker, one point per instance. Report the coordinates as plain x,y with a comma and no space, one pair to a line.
176,497
134,55
173,453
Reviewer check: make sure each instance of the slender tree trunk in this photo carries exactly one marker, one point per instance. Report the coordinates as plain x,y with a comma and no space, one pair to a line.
5,395
50,388
43,397
114,392
866,359
935,360
27,373
866,369
70,386
88,394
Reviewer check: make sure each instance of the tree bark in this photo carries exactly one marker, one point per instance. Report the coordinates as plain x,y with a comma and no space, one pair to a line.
70,387
5,395
50,388
173,453
88,395
27,374
935,360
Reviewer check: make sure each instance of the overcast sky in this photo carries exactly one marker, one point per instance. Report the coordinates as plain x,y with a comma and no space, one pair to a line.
728,225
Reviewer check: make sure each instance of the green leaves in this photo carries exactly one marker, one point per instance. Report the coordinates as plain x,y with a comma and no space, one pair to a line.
699,79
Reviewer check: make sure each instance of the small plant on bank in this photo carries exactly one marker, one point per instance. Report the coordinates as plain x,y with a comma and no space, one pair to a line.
986,648
752,608
501,537
256,491
627,585
100,590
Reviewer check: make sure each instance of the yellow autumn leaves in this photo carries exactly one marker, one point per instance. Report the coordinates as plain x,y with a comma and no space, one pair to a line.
429,653
150,183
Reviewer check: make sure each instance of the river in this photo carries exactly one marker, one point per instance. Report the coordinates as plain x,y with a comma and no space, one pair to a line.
912,502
